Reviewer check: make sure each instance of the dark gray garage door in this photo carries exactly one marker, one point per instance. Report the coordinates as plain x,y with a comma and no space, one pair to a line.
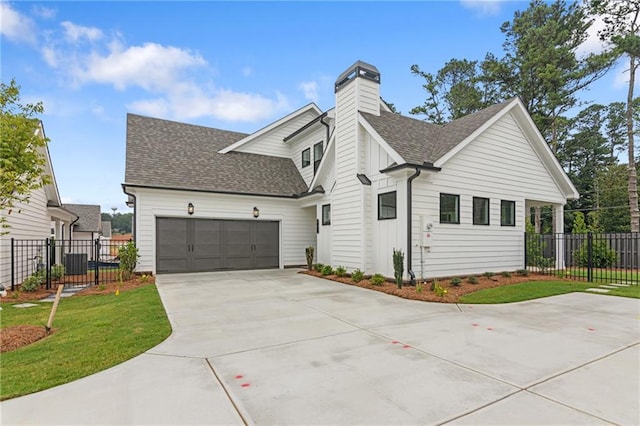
199,245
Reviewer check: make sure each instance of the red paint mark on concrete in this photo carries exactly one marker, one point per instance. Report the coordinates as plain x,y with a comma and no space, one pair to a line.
592,329
245,385
489,328
475,325
395,342
239,376
406,346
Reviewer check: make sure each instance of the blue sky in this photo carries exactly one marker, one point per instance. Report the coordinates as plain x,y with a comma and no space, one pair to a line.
236,66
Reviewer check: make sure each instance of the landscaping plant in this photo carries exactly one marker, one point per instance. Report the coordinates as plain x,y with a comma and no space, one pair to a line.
472,279
377,279
341,271
438,289
57,272
456,281
309,251
357,276
327,270
128,255
398,266
31,283
318,267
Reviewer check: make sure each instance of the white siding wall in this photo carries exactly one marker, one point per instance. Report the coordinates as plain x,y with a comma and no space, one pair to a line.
308,141
271,142
499,165
29,221
323,249
297,225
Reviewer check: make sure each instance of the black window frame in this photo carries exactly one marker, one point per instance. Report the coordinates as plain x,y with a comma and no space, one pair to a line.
513,213
308,160
395,205
457,212
328,210
316,161
487,209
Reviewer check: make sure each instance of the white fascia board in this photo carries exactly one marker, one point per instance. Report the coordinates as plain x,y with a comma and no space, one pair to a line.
51,189
324,159
376,136
309,107
384,106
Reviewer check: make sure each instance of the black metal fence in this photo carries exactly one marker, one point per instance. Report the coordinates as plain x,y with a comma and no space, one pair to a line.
592,257
72,263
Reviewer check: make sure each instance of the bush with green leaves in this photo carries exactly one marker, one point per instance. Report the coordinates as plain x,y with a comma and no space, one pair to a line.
438,289
128,255
318,267
377,279
523,272
341,271
472,279
488,274
32,283
57,272
601,255
456,281
357,276
506,274
308,252
327,270
419,287
398,266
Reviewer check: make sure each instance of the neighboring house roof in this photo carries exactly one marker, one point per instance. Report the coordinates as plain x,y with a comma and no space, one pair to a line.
88,217
121,237
171,155
419,142
105,228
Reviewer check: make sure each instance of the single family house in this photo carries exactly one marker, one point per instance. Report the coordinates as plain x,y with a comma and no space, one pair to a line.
356,182
30,224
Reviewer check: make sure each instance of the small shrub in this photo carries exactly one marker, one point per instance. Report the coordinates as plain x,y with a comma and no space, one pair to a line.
601,255
472,279
341,271
398,266
506,274
438,289
102,287
31,283
128,255
456,281
144,278
488,274
523,272
308,252
57,272
327,270
377,279
318,267
357,276
419,287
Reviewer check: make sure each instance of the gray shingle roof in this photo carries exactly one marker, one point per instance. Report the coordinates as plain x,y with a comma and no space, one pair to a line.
420,142
89,219
168,154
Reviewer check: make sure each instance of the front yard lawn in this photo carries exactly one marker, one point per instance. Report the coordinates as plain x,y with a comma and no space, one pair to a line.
91,333
537,289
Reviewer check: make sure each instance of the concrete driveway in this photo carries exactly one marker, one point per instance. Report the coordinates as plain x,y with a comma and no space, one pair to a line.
277,347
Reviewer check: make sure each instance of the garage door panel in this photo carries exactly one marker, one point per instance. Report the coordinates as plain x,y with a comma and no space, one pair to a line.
207,245
266,246
171,245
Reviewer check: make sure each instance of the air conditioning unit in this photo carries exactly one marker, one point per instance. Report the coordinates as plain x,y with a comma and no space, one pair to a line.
75,263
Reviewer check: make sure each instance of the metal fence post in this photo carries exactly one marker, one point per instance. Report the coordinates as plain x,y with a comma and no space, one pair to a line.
13,265
525,250
47,253
589,257
97,262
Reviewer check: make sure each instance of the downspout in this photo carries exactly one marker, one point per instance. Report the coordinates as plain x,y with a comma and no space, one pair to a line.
135,208
325,125
71,232
409,225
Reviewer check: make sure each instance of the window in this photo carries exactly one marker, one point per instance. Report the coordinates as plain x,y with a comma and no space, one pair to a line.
507,213
306,157
317,156
480,211
387,205
326,214
449,208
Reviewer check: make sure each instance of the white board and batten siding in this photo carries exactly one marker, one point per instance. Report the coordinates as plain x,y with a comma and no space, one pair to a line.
271,143
297,225
28,221
499,164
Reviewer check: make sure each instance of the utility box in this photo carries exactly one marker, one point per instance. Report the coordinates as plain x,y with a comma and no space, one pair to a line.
75,263
426,231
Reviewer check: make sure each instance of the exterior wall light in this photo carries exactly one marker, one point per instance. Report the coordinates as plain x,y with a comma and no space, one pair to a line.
256,212
190,209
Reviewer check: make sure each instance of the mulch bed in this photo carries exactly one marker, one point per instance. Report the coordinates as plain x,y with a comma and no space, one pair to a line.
17,336
453,292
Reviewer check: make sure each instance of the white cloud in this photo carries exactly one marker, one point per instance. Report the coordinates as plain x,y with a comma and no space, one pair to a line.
150,107
483,7
310,90
43,12
16,26
592,43
76,33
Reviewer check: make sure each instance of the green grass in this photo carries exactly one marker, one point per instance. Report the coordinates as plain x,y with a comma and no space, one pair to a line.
92,333
537,289
610,275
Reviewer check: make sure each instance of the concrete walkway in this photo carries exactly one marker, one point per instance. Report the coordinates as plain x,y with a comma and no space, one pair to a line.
280,348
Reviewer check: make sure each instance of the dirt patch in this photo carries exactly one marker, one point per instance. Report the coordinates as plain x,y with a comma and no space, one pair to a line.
17,336
453,292
112,287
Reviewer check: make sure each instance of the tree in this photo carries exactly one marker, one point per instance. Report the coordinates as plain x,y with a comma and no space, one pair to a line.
22,146
611,191
622,30
120,222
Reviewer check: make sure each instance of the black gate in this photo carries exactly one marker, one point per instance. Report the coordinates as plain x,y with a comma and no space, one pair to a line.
74,263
